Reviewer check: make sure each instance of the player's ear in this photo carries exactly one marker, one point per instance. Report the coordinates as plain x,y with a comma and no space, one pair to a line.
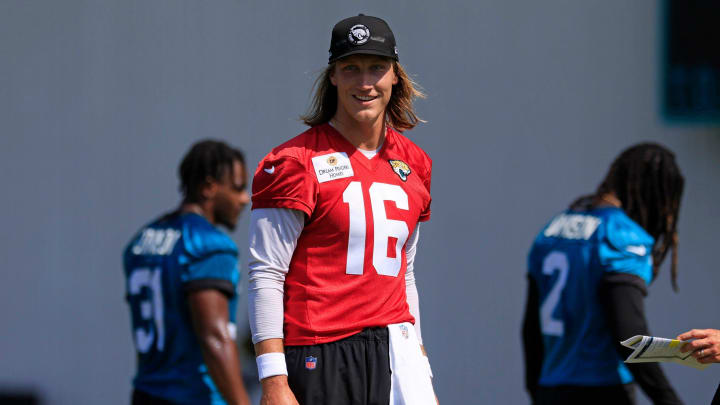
209,188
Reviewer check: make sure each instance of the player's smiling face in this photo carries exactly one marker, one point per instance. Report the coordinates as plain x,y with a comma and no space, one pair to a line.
364,86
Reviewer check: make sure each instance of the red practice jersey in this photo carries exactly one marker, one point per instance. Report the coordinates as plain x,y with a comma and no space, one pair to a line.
348,270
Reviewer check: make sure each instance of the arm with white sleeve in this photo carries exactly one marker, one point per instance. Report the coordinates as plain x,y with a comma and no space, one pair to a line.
273,238
413,300
411,291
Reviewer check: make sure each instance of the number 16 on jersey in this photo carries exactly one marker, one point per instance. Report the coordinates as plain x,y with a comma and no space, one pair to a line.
384,229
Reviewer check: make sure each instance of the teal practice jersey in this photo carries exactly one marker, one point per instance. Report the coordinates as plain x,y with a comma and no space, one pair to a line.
568,260
167,258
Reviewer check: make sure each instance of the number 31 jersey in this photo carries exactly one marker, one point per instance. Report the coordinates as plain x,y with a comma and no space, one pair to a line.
348,269
568,260
167,259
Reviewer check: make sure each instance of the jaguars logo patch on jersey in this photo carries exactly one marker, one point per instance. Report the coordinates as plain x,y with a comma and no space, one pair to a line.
400,168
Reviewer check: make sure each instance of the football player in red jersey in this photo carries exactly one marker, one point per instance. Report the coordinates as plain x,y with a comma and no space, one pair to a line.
334,228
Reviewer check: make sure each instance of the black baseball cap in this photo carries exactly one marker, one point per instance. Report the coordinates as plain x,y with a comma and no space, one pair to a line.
362,34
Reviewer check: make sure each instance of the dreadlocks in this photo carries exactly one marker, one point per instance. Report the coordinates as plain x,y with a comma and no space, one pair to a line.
206,159
648,183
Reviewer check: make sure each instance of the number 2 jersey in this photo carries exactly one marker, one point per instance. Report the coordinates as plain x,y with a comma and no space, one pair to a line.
567,261
347,272
176,254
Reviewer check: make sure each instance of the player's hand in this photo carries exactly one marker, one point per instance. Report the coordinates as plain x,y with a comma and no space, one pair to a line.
276,391
705,346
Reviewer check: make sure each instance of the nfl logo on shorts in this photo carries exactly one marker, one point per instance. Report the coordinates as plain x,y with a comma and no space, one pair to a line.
310,362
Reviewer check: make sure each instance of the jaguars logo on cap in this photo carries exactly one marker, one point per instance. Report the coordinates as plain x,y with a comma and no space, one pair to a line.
400,168
359,34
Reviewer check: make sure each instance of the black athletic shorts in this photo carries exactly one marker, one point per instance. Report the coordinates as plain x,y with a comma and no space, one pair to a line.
623,394
351,371
142,398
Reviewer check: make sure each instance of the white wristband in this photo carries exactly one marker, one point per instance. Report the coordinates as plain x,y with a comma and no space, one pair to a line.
270,364
427,363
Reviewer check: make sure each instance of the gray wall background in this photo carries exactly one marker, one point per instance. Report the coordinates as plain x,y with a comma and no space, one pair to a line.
528,104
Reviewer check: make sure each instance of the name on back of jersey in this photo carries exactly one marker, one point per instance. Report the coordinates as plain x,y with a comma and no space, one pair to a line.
156,242
572,226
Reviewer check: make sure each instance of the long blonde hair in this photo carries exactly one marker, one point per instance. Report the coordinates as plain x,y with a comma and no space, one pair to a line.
399,112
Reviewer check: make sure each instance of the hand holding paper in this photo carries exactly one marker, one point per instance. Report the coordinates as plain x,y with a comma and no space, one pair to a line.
649,349
705,347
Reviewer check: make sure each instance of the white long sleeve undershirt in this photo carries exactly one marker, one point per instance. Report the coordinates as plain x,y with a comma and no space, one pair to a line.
273,237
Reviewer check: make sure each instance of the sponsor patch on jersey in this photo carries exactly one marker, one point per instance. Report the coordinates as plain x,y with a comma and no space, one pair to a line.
400,168
332,166
310,362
